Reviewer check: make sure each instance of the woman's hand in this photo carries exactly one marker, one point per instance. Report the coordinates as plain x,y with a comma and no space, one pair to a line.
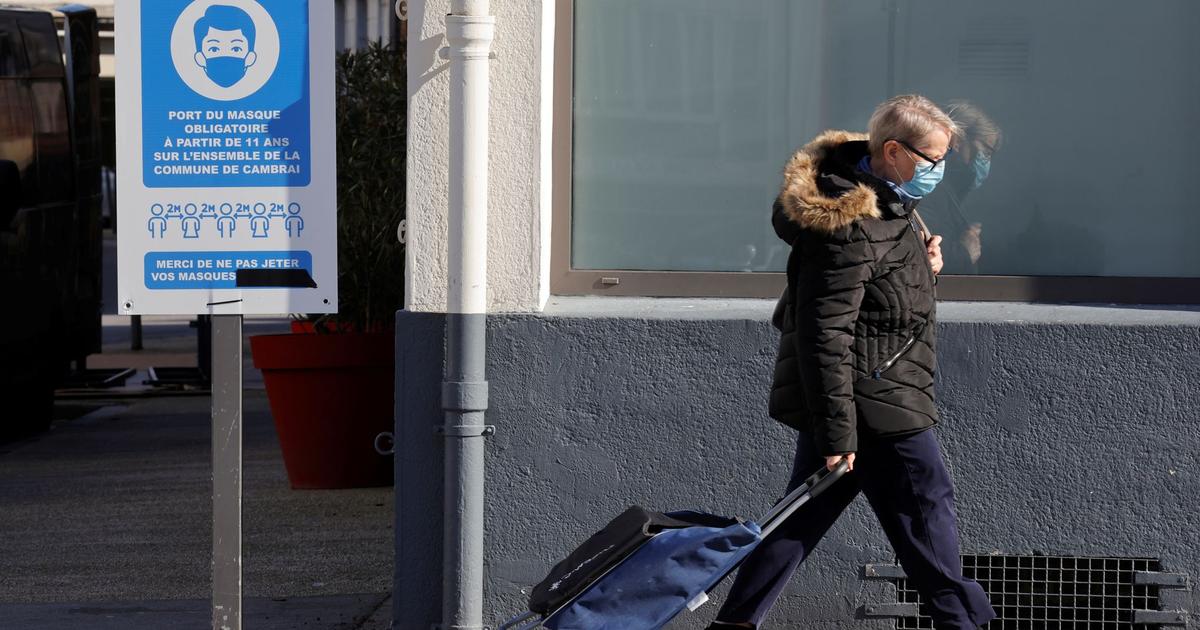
832,461
933,248
971,241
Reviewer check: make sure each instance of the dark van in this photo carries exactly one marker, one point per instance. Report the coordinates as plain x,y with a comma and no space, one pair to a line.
50,243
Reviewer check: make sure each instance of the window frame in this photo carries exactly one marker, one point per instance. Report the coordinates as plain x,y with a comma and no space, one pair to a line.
565,280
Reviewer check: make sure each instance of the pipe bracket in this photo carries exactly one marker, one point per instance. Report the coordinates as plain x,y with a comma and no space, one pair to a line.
1165,580
1161,617
466,431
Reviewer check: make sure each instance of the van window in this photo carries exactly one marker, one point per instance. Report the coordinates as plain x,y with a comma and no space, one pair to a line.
55,161
16,135
12,53
41,44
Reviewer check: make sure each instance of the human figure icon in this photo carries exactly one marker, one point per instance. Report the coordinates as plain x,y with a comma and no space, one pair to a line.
260,224
225,44
208,211
226,224
191,222
294,222
157,224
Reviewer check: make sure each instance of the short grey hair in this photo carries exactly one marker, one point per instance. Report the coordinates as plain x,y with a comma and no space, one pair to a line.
975,127
908,117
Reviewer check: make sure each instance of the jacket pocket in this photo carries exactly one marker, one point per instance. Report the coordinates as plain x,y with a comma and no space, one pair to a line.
877,373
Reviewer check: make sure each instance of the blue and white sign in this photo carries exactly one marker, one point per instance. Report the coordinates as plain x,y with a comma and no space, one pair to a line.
226,166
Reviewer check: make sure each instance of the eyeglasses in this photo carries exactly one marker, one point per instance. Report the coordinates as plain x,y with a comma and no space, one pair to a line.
922,155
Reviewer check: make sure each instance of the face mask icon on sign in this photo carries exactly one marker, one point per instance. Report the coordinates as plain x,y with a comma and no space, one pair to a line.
225,44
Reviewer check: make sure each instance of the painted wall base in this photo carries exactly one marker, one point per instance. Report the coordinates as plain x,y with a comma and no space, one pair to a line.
1068,430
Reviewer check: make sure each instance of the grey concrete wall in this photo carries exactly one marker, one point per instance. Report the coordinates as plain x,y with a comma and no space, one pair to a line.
1069,430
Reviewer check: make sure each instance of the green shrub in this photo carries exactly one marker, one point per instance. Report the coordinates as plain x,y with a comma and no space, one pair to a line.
371,143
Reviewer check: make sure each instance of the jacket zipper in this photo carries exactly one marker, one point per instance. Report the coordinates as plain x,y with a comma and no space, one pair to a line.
877,373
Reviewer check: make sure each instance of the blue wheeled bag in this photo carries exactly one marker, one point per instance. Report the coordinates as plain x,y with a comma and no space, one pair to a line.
644,568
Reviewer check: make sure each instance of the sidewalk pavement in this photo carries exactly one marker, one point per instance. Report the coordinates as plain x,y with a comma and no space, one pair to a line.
341,612
106,523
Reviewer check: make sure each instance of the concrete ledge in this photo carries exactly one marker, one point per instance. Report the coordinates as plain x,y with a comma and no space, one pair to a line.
659,308
948,312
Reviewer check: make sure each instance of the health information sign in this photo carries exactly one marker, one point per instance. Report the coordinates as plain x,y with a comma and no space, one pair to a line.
226,173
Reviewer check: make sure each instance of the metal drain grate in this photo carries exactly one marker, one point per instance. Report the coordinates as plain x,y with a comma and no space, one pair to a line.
1054,592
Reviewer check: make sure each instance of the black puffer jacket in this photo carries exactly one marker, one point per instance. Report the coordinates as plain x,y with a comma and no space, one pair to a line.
857,352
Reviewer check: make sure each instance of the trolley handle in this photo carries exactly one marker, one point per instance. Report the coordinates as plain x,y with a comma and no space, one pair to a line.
524,621
812,487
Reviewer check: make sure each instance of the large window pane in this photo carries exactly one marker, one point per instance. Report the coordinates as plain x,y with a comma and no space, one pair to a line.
55,162
17,135
41,43
685,111
12,52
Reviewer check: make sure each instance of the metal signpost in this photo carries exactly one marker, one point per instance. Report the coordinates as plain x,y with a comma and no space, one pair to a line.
226,172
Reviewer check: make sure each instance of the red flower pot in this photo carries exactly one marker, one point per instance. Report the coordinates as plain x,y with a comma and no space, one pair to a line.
330,395
309,326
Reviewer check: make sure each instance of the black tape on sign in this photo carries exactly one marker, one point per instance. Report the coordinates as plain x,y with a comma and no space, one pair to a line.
285,278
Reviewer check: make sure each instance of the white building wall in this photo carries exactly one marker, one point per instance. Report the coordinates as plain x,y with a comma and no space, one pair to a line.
519,165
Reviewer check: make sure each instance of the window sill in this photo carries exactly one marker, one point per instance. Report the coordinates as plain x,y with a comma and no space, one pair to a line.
948,312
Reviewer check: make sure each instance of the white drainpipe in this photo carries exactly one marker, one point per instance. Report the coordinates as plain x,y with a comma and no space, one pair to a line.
469,31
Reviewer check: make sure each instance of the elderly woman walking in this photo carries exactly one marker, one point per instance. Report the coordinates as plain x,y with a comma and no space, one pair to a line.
854,373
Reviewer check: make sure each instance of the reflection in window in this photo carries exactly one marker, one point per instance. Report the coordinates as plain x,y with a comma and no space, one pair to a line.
41,44
685,111
55,160
12,54
16,133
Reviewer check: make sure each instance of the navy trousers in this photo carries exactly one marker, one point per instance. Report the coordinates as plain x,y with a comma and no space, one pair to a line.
907,485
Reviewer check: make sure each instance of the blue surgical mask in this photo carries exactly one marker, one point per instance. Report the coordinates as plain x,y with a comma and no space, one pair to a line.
982,165
925,178
225,71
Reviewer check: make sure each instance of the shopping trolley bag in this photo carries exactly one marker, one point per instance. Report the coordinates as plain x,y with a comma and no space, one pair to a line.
632,582
597,555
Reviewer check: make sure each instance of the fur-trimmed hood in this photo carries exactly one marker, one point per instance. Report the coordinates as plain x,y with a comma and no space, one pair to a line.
803,203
